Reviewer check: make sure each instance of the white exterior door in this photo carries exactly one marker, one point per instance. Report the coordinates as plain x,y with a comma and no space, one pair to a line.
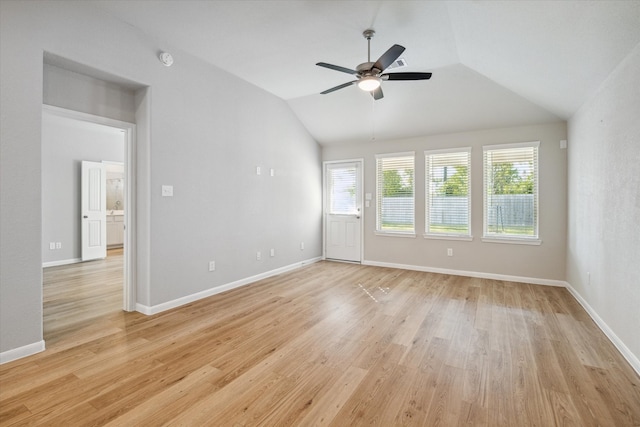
94,210
343,211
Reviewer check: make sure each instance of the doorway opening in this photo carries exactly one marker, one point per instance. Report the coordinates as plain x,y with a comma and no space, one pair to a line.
74,292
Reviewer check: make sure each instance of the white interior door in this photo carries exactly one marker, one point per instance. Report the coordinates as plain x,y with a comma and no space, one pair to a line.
343,211
94,210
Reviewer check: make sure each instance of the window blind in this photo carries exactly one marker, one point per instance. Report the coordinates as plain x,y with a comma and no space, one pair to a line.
447,192
511,190
342,190
395,193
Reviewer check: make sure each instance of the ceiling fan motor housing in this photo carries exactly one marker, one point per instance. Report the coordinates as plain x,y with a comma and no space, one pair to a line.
366,68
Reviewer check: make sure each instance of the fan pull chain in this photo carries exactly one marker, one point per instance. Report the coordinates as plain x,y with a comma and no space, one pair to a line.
373,119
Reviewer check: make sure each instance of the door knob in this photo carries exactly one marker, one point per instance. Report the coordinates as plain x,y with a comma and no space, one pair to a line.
85,216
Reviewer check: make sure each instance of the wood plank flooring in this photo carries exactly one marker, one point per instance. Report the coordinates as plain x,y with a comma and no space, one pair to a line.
327,344
75,295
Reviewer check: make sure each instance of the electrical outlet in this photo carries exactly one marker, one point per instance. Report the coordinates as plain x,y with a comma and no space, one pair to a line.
302,246
58,245
273,252
449,252
258,256
212,265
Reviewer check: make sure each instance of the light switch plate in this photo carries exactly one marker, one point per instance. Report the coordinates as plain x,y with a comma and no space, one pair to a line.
167,191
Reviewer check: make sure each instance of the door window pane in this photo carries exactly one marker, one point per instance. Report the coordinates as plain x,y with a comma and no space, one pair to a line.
342,190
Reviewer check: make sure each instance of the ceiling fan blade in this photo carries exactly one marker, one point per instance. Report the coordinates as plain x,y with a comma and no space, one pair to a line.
388,57
406,76
337,68
377,93
333,89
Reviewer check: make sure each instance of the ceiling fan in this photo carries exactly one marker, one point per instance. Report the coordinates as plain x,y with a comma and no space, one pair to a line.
370,74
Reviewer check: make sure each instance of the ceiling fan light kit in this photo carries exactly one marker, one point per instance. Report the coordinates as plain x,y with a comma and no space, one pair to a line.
369,83
369,74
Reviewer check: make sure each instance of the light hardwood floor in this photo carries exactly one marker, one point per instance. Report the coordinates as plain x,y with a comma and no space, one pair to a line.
76,295
326,344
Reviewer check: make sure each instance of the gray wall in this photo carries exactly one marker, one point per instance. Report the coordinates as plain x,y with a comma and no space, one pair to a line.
74,91
603,254
204,132
65,144
546,261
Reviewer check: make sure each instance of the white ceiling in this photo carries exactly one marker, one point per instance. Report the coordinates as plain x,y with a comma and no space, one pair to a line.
494,63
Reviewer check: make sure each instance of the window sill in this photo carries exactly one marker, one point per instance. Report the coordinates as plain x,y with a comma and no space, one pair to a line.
447,237
395,234
513,240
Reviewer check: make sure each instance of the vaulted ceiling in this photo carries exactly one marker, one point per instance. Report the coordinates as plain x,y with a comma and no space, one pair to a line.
494,63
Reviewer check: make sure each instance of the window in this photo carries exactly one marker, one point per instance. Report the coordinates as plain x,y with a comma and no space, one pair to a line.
447,193
343,189
511,192
395,193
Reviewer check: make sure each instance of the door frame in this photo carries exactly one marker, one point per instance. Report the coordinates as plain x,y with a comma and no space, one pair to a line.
130,247
325,203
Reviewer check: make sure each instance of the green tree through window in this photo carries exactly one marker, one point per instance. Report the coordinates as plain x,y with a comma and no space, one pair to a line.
457,184
396,185
508,180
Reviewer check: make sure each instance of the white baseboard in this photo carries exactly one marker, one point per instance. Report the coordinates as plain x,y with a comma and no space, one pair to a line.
617,342
61,262
37,347
155,309
480,275
20,352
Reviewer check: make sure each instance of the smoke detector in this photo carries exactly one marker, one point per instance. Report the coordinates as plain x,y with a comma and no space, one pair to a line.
166,59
